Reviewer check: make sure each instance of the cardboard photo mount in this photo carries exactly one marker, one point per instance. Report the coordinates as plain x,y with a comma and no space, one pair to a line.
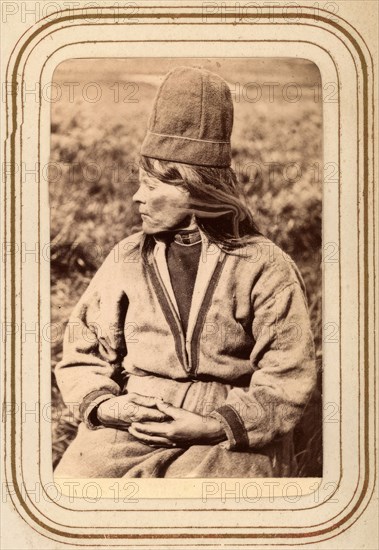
159,512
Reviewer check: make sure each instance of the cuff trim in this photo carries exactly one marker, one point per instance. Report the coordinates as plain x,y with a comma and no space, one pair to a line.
234,427
90,403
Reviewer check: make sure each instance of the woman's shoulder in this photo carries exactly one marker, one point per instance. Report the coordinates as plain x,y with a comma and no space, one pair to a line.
126,251
271,267
130,246
262,250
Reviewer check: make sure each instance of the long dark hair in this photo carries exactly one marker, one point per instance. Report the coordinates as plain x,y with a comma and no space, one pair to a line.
216,199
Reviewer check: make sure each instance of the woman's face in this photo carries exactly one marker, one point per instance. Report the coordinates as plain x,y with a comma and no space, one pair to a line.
163,207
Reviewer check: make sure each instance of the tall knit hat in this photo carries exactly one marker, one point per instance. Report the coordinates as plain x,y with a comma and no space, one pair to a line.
192,119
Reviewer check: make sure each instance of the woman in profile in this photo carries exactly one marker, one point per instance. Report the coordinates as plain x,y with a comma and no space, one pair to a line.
206,317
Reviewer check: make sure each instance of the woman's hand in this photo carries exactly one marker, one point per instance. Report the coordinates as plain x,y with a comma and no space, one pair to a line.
119,412
185,428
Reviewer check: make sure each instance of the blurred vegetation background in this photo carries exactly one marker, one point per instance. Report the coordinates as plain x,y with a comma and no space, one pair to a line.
99,114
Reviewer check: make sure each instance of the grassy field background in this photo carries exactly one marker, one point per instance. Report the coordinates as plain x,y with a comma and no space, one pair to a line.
98,121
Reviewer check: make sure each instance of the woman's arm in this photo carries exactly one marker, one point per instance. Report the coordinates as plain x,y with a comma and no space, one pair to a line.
284,370
94,345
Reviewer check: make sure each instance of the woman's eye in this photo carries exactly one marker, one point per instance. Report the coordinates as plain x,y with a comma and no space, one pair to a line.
149,186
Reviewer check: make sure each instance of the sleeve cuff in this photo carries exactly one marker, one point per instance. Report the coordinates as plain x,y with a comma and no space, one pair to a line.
233,426
89,407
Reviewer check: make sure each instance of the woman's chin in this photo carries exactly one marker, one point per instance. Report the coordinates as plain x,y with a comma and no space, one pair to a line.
151,228
148,228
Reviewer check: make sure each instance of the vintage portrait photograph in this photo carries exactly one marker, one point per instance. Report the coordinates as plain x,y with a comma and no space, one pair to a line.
186,267
189,254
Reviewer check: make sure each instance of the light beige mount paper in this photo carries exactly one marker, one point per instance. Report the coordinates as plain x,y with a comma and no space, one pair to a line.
78,84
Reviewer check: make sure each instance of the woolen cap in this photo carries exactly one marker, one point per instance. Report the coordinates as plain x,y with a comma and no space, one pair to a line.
192,119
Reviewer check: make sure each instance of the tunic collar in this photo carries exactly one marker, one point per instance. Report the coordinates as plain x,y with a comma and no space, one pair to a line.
185,237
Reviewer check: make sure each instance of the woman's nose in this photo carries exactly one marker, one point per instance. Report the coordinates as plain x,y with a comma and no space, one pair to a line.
138,196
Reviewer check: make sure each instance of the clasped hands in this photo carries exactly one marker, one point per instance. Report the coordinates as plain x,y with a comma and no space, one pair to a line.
157,423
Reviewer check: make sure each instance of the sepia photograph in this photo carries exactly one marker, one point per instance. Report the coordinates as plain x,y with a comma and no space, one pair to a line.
189,249
186,267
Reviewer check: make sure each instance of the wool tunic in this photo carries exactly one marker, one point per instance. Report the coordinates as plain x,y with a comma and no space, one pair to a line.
247,359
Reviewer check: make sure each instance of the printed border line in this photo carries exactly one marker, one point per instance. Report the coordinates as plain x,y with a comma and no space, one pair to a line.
358,290
192,509
87,16
277,509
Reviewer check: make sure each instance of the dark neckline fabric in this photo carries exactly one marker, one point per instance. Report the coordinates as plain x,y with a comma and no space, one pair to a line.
182,263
